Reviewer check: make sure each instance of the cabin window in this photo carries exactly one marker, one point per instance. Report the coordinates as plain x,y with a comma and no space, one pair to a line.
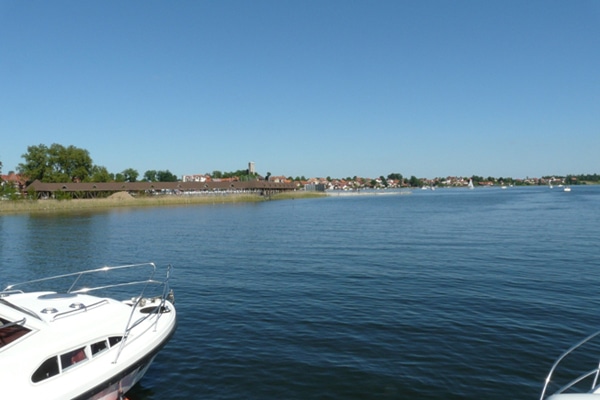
114,340
11,331
73,357
46,370
98,347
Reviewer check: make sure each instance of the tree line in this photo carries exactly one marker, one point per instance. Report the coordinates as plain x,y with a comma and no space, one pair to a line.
57,163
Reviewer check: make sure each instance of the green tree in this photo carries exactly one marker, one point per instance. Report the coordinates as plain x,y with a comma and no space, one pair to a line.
384,181
101,174
36,165
56,164
150,176
166,176
476,179
8,191
75,164
130,175
395,176
414,181
159,176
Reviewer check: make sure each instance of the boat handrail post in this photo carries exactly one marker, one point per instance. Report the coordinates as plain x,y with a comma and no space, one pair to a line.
596,376
79,309
575,381
15,323
129,326
75,282
561,358
166,292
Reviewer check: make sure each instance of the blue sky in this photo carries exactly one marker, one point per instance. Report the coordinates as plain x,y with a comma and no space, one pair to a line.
338,88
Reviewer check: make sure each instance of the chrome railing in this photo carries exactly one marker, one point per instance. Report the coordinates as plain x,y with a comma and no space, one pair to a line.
74,284
79,308
166,294
20,322
594,372
77,276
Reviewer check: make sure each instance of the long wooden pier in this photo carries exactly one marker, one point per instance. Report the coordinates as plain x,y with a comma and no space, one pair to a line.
104,189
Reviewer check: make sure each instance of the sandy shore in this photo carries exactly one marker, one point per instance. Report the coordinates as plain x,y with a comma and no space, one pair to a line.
124,200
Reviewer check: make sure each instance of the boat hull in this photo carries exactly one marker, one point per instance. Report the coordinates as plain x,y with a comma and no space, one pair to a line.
118,385
81,346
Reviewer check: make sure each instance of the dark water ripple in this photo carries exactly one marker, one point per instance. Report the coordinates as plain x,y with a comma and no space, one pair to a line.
451,294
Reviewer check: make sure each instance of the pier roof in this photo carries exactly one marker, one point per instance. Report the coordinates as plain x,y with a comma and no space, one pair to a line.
39,186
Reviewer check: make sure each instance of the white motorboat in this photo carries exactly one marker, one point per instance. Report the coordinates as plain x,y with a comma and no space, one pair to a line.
579,385
87,337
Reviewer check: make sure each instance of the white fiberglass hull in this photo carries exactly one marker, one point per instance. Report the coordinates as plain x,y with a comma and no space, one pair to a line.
73,345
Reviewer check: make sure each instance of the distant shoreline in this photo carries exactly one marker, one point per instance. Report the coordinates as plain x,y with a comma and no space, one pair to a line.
350,193
10,207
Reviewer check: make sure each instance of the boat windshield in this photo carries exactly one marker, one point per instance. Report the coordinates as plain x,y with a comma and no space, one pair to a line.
11,331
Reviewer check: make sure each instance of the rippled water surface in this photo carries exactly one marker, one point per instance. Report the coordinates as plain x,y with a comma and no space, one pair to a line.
446,294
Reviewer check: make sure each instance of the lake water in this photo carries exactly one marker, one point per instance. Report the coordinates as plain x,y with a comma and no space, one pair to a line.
445,294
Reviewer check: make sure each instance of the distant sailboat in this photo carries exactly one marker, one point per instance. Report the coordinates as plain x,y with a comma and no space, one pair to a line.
471,184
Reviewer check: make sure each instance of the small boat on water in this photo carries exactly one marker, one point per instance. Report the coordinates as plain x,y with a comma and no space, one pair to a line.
85,335
585,385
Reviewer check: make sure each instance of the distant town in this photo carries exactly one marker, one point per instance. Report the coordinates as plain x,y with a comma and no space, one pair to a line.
72,165
396,180
13,183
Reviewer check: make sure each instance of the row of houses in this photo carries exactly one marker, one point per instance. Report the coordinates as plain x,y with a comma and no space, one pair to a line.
207,178
15,180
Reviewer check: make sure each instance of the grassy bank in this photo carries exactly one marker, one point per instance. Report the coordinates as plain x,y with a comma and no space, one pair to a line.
49,206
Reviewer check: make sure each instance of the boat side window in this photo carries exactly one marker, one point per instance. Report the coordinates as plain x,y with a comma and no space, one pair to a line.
11,331
98,347
73,357
114,340
46,370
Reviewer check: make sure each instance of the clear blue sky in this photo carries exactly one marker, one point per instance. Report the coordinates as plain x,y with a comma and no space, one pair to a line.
506,88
